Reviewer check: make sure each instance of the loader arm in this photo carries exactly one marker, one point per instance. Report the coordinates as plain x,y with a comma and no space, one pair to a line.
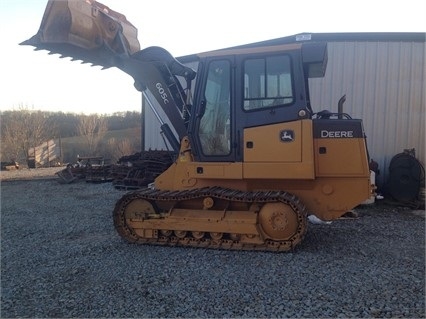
89,31
156,70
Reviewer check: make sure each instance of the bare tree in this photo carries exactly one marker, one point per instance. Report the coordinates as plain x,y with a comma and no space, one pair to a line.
93,128
23,130
116,148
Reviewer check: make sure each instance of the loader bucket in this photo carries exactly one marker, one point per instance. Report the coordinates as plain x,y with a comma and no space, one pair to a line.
85,30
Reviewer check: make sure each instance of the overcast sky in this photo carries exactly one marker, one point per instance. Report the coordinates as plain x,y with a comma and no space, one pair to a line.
44,82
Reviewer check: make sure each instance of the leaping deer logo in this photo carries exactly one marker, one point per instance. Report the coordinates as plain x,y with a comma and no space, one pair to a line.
287,136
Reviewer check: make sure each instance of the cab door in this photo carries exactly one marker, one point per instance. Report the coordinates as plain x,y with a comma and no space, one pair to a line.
212,131
273,116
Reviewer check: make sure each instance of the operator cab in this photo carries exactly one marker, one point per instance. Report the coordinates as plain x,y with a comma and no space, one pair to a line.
242,88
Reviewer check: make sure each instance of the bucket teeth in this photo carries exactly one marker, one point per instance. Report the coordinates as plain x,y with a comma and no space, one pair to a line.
85,30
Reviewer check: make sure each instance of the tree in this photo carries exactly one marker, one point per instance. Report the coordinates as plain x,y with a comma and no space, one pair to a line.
23,130
66,123
93,128
116,148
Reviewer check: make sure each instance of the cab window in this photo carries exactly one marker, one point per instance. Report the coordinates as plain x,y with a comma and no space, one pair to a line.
214,130
267,82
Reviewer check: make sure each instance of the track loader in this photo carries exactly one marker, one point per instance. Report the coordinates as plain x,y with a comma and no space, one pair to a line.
253,158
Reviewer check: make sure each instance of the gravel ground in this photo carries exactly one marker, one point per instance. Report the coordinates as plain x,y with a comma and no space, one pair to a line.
61,257
29,173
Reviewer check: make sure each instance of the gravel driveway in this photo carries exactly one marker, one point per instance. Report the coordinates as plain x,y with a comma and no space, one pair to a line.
61,257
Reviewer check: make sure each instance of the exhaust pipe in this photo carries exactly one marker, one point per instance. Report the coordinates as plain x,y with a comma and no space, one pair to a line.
340,106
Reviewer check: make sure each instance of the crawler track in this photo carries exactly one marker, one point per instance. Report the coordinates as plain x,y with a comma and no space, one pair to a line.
212,217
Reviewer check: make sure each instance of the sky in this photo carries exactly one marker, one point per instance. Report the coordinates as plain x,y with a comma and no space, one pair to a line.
38,81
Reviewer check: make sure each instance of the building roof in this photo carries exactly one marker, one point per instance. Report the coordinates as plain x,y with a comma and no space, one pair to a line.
330,37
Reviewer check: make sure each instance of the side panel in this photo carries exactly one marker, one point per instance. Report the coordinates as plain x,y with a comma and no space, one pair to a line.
279,151
340,149
215,170
342,157
274,143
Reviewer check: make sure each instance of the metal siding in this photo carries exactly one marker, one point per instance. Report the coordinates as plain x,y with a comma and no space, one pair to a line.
153,138
384,83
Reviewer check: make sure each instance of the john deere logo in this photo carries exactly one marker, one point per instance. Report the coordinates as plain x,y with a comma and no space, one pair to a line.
287,136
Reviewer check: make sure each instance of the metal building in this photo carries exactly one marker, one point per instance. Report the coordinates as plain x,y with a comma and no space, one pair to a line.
383,78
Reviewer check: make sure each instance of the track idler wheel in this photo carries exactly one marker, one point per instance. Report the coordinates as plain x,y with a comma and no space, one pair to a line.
128,209
278,221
